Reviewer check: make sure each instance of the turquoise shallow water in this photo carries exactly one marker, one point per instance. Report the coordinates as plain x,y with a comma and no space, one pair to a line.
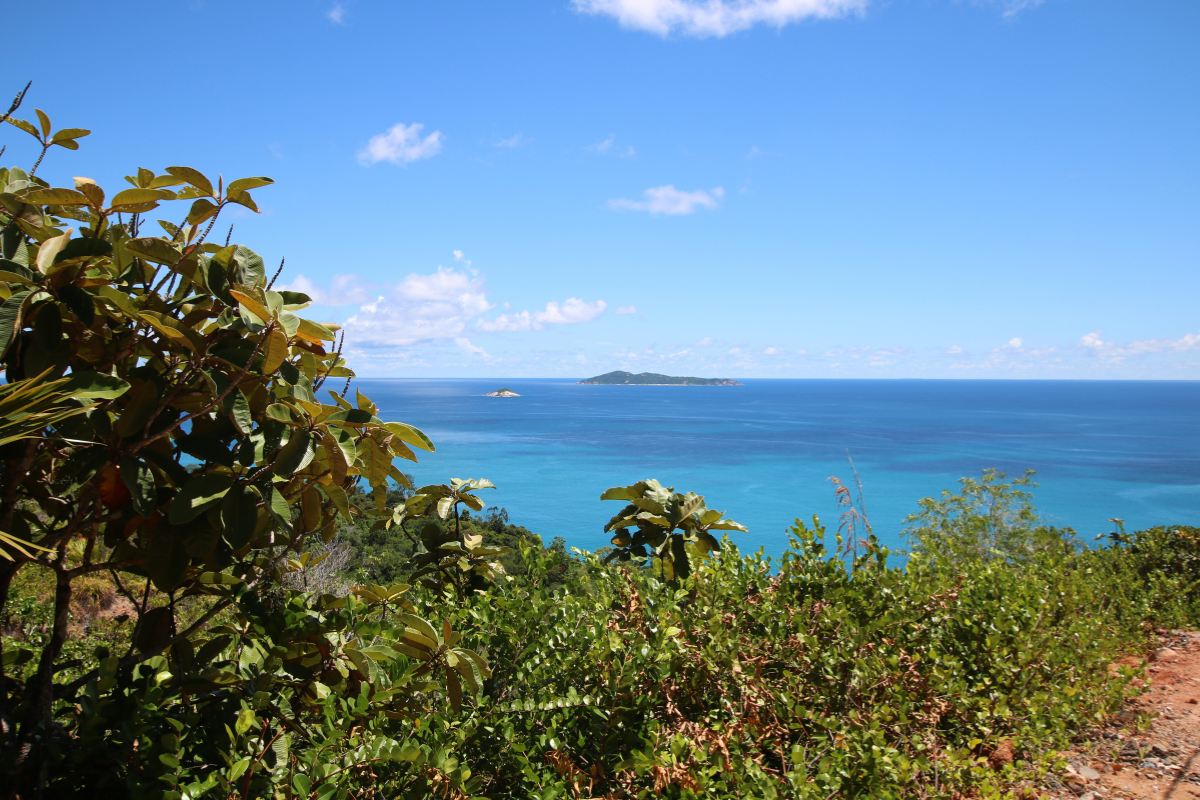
764,451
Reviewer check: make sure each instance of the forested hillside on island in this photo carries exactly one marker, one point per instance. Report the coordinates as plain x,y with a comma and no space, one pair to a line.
654,379
218,581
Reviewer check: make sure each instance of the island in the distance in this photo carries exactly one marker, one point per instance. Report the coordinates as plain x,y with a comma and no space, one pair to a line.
502,393
620,378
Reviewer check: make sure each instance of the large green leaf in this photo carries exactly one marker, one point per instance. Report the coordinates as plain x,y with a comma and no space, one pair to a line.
139,197
81,249
353,416
249,267
239,411
153,249
244,184
55,197
139,479
410,435
239,515
280,511
194,177
94,385
166,558
198,495
154,628
295,454
11,313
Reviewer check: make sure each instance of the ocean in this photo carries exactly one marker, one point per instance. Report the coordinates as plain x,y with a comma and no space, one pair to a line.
764,451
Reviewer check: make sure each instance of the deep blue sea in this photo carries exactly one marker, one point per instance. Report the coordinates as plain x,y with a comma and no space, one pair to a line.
764,451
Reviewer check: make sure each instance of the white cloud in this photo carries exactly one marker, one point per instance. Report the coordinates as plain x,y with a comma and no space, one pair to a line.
953,350
605,147
716,17
669,200
1014,343
626,310
516,140
1014,7
460,256
337,14
465,344
420,308
733,351
344,290
571,311
707,341
1118,352
401,144
772,351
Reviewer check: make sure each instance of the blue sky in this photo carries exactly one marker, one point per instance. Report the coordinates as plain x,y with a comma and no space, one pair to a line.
741,188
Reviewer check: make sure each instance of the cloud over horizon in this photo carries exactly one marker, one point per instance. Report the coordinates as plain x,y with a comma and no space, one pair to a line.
572,310
420,308
1112,351
432,307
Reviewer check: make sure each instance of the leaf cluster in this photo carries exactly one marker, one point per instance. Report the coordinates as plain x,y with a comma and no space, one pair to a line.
659,524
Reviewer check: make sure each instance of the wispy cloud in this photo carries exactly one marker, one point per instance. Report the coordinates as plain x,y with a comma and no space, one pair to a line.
337,14
669,200
1013,7
626,310
572,310
606,147
343,290
703,18
465,344
401,144
514,141
459,256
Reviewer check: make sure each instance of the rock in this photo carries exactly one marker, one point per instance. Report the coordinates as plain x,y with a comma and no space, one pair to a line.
1003,754
1088,772
1194,700
502,393
1089,796
1164,655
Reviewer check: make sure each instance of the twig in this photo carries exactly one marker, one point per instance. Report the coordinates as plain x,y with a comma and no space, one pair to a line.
232,385
229,235
276,275
16,103
337,356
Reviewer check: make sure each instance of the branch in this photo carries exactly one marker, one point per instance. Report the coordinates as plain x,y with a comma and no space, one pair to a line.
130,660
109,565
232,385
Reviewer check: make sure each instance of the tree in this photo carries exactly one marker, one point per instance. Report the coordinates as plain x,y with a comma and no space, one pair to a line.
991,518
165,424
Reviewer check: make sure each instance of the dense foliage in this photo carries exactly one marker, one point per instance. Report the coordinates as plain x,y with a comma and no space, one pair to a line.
216,585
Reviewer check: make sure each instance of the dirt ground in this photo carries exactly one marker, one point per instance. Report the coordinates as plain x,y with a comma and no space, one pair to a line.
1126,760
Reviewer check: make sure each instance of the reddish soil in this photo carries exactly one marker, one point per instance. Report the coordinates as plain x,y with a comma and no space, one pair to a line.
1152,748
